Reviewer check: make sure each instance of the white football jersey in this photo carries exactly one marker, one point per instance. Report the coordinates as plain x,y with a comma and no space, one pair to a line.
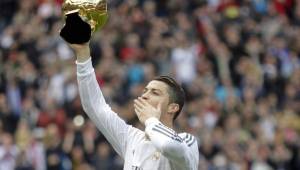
157,148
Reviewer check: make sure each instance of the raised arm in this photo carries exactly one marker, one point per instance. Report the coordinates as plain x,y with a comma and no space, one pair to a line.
108,122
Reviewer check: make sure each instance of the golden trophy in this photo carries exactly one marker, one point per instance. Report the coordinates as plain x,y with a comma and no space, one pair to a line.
83,17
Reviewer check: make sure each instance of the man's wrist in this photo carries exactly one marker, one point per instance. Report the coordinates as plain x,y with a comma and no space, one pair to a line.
83,56
82,52
151,120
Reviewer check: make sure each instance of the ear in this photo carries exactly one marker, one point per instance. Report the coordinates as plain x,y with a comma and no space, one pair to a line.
173,108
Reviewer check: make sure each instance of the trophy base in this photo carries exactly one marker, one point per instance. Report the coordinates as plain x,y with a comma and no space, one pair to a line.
76,31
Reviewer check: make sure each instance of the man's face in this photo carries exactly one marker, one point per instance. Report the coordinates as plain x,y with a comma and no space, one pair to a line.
157,92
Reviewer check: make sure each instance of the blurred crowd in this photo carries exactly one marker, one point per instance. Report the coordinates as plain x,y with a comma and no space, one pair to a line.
238,61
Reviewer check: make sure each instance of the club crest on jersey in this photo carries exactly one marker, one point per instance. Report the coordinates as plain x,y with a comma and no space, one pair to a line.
156,156
136,168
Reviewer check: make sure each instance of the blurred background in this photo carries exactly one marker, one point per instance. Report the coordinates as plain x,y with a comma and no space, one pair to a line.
238,60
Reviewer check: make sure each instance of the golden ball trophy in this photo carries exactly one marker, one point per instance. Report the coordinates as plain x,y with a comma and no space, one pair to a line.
83,18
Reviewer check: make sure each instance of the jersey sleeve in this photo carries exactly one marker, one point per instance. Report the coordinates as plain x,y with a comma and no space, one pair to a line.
181,151
108,122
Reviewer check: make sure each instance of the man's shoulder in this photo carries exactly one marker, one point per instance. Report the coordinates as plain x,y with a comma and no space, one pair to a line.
189,139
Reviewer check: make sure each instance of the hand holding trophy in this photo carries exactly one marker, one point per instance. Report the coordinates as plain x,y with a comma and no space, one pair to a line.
83,17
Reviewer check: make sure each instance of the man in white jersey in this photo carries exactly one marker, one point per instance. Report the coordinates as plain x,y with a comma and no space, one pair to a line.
159,147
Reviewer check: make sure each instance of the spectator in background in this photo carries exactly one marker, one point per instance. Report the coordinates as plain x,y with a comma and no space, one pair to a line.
184,59
8,152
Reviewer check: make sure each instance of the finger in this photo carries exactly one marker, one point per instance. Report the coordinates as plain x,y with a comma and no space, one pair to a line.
140,116
139,103
138,112
143,101
137,106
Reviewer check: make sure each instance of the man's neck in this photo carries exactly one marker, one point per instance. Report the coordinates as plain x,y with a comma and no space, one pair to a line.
167,123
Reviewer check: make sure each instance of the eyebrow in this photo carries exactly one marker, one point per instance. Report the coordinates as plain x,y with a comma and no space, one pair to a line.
152,89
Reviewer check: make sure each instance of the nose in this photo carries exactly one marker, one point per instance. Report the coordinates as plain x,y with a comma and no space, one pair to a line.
145,96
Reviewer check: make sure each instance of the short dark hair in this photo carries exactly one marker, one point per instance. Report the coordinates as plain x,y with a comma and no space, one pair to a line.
175,91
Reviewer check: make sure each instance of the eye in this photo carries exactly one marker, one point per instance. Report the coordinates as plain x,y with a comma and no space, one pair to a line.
155,93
